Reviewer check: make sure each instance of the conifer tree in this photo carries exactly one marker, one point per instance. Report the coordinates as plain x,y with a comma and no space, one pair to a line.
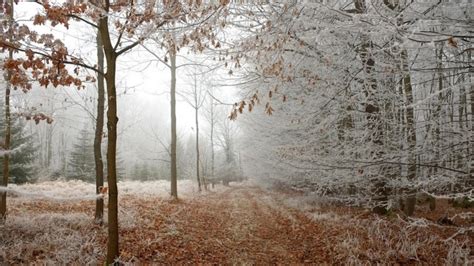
120,165
82,158
24,151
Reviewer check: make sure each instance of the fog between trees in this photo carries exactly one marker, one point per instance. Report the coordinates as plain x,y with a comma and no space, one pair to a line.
355,103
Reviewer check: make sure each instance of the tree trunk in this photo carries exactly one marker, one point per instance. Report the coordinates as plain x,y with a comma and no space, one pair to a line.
470,176
49,155
372,110
99,127
471,139
241,169
346,123
64,154
461,111
196,108
437,115
212,140
374,125
112,120
6,146
197,150
174,174
411,132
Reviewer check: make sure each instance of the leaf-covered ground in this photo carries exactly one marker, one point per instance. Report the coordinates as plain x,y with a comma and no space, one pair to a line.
241,224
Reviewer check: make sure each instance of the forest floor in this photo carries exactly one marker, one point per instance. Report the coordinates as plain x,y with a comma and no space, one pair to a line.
240,224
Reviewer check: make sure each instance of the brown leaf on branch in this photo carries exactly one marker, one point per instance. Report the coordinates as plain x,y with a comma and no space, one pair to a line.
241,106
224,2
269,110
452,42
233,115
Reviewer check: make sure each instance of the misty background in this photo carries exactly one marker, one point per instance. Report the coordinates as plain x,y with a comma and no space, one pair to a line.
143,85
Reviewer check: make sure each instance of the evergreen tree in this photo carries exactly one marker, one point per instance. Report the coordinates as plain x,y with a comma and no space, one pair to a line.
144,173
120,166
141,172
82,165
135,172
121,171
25,150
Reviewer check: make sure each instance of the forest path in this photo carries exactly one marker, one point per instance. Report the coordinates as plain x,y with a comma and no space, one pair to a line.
240,225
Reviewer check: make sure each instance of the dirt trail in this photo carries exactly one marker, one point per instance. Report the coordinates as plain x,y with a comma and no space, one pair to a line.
238,226
228,226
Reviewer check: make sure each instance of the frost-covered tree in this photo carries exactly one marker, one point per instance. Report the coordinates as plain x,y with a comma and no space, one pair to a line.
121,25
195,97
362,101
141,172
81,163
25,150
